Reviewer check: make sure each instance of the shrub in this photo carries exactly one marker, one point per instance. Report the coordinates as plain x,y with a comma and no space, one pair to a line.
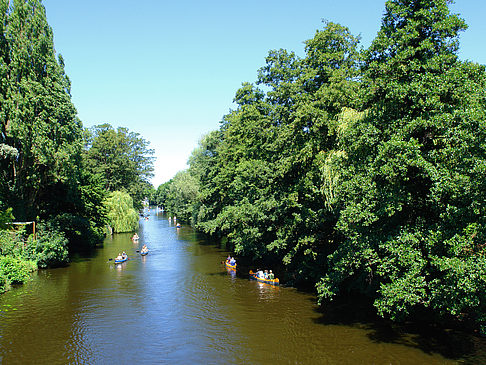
14,271
49,249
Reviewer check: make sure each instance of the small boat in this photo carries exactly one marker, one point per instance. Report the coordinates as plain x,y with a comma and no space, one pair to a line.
253,276
229,266
121,260
144,253
178,225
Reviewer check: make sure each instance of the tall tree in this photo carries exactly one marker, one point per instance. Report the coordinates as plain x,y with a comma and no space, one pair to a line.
412,193
40,135
121,158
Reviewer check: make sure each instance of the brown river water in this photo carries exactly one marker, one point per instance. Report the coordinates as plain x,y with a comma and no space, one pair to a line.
179,305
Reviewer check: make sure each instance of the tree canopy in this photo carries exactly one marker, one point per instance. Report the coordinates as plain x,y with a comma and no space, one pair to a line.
122,160
360,170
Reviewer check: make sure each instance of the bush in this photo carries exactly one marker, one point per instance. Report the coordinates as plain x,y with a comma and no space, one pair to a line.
49,249
12,243
14,271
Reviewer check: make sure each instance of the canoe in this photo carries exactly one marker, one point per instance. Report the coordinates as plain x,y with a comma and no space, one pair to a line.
120,261
144,253
229,266
253,276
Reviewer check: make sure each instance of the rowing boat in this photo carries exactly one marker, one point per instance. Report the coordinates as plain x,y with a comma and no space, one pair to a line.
229,266
121,260
144,253
253,276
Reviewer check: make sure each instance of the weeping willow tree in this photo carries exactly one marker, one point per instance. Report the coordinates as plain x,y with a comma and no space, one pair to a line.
122,217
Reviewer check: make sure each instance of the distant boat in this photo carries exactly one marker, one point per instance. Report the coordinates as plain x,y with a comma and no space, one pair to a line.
229,266
144,253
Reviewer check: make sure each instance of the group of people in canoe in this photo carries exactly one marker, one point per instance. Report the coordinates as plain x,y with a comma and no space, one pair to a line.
231,261
121,256
267,274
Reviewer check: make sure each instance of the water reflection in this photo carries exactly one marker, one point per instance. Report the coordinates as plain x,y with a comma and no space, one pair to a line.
178,305
231,272
267,291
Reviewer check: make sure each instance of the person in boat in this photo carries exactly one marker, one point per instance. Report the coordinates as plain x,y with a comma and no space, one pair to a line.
124,255
119,257
144,249
260,273
228,259
265,274
232,261
270,275
135,236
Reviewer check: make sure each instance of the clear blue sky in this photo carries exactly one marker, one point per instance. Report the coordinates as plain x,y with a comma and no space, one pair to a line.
169,69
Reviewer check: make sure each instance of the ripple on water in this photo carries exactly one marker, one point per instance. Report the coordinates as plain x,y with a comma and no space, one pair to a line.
179,305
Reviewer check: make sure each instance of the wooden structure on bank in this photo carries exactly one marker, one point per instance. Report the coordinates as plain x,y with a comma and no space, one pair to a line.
24,224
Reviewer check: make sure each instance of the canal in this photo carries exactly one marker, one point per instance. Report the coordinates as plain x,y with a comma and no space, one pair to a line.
179,305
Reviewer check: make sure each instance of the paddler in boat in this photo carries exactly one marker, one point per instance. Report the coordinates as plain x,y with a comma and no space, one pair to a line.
232,261
119,257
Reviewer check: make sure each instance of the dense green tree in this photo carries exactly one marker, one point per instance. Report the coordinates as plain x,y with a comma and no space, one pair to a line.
261,173
159,197
412,177
40,136
181,194
121,159
361,172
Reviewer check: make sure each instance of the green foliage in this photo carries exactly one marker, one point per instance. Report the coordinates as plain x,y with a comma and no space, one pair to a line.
14,271
12,243
121,159
361,172
159,197
122,217
5,217
181,194
50,248
41,138
39,132
411,199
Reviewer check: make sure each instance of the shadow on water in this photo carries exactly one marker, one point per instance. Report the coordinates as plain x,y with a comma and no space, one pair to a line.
452,343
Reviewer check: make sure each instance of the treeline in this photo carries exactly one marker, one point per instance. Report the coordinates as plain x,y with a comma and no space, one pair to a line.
359,170
67,179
